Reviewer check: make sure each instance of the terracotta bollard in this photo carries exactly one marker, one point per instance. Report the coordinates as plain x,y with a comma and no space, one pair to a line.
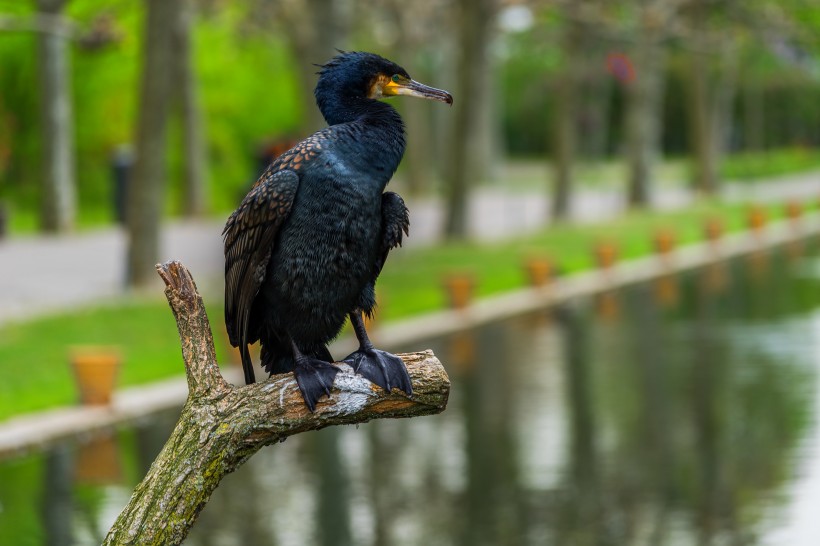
539,271
664,241
756,218
793,212
606,254
793,209
713,229
459,288
95,370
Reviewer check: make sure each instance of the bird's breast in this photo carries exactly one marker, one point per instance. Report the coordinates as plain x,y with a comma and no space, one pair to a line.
329,242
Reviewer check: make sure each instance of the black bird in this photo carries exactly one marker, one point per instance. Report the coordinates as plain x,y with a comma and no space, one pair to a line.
304,249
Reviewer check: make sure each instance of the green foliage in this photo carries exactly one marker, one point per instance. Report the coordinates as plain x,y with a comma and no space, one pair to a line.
248,93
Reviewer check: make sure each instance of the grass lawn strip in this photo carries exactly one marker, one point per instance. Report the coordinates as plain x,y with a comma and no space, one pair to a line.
34,354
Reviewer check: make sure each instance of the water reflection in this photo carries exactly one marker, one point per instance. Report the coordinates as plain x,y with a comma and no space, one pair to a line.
57,502
674,412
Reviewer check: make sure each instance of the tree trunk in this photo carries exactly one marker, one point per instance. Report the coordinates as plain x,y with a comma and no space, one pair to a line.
58,206
222,426
147,183
476,18
566,118
487,144
702,134
711,95
753,116
315,29
594,130
643,116
417,158
724,100
564,148
194,182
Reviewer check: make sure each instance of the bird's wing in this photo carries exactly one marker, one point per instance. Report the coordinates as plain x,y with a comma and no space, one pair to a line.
249,236
395,224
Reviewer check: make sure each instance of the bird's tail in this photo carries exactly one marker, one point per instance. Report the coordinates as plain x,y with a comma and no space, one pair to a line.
247,364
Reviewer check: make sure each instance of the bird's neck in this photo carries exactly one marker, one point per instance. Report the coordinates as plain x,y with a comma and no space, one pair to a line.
352,109
375,124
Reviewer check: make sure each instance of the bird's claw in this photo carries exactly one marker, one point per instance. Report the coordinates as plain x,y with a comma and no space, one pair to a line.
382,368
315,378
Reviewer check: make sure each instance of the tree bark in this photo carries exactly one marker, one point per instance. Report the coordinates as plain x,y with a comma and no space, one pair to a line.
222,426
476,18
566,118
58,206
418,169
724,99
643,115
147,183
753,115
702,133
194,182
315,29
595,139
712,88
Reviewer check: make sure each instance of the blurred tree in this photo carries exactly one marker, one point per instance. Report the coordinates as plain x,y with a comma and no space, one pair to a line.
194,182
596,94
644,94
566,100
475,33
713,69
315,29
58,198
147,187
416,34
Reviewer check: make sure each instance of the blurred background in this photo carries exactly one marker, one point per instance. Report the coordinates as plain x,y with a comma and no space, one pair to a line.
690,92
678,411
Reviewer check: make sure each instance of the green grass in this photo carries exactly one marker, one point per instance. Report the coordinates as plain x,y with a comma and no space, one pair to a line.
753,165
412,281
34,354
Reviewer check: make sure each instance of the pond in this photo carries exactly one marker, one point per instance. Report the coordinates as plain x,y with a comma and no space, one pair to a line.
681,411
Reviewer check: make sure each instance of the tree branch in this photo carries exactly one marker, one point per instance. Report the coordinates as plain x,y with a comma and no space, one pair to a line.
221,426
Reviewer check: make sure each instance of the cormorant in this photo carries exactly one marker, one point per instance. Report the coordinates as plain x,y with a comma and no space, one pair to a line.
305,246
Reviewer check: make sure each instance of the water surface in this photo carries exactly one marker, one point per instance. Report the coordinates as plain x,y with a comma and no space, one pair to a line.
681,411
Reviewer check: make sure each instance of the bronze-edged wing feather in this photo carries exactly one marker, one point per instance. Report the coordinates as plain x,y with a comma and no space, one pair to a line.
249,237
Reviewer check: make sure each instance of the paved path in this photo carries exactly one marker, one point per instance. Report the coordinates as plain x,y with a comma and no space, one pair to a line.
43,274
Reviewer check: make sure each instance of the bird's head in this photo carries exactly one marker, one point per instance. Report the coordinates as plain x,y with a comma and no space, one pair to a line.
356,75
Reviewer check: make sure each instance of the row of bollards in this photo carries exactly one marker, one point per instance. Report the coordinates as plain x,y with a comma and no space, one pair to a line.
96,368
460,287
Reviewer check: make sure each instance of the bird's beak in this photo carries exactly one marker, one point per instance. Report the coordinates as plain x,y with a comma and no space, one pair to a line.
413,88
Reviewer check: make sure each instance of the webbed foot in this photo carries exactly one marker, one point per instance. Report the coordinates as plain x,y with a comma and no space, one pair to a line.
382,368
315,379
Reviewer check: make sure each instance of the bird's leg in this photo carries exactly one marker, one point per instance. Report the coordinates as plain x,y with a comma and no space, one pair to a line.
382,368
314,377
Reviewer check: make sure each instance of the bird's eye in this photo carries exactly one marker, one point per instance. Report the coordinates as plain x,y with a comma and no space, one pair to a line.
395,78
